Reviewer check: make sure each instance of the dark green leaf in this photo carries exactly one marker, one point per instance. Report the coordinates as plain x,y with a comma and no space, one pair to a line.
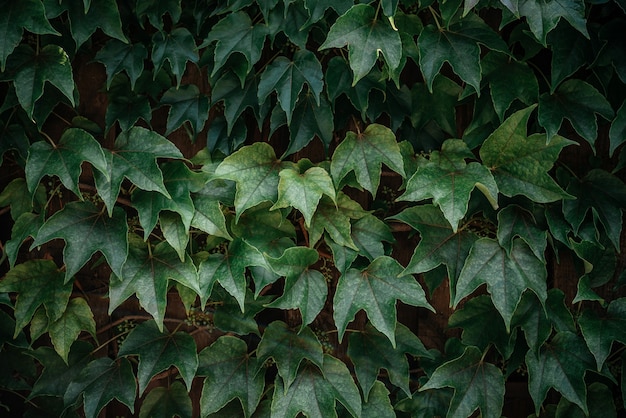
86,229
617,133
118,56
126,106
158,350
570,51
25,226
530,315
17,196
228,316
317,8
438,105
611,34
177,47
600,331
102,14
187,104
427,404
155,10
368,233
170,402
600,401
58,374
266,230
335,219
378,405
310,120
477,385
208,216
514,221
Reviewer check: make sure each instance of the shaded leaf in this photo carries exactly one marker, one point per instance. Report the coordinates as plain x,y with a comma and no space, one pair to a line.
617,133
310,120
161,402
177,47
58,373
514,221
155,11
570,51
599,399
427,404
266,230
208,216
126,106
368,234
17,196
318,8
187,104
25,226
118,56
600,331
530,315
64,331
439,104
84,21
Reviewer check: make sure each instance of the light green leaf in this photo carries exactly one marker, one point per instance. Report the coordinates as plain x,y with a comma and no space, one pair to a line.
364,153
65,330
507,275
118,56
520,163
158,350
167,402
577,101
64,160
477,385
376,289
366,38
177,47
37,283
187,104
449,181
335,219
231,373
86,229
600,331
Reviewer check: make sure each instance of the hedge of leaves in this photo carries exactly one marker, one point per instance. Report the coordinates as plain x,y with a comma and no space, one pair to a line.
332,129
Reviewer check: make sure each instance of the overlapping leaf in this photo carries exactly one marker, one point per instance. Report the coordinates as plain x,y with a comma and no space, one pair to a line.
118,56
186,105
334,218
173,401
64,331
439,104
155,11
368,234
601,331
84,21
177,47
57,374
513,221
16,195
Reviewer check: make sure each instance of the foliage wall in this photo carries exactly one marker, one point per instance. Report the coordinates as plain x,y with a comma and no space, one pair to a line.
259,208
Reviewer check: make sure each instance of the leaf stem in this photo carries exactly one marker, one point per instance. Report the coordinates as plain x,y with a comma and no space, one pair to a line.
435,17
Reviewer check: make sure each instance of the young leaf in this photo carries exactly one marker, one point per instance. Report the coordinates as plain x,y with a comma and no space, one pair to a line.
520,163
600,331
37,283
167,402
231,373
118,56
147,273
477,385
364,153
177,47
102,14
289,349
577,101
376,289
507,275
158,350
315,392
449,181
366,38
64,160
561,364
101,381
65,330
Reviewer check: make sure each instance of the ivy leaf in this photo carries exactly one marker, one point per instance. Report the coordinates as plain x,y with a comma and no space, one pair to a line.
335,219
599,399
154,10
600,331
255,169
375,289
134,157
236,97
315,392
427,404
371,351
158,350
231,373
520,163
364,153
177,47
57,373
17,16
617,133
289,349
228,316
378,405
368,234
65,330
34,68
477,385
236,33
147,274
126,106
449,181
318,8
561,364
101,381
438,105
208,216
37,283
530,315
438,244
186,105
25,226
514,221
170,402
577,101
303,191
287,78
266,230
459,46
16,195
101,14
118,56
570,51
85,230
64,159
366,38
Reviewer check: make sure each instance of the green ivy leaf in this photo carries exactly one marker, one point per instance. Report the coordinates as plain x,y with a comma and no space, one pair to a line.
514,221
438,105
64,159
208,216
570,51
617,133
231,373
65,330
158,350
17,16
378,405
118,56
610,34
376,289
317,8
34,68
427,404
25,226
85,21
101,381
364,153
459,46
147,274
177,47
561,364
17,196
303,191
507,275
530,315
366,38
370,351
477,385
228,316
520,163
577,101
57,373
169,402
37,283
368,234
287,78
126,106
134,157
335,219
289,349
255,169
154,10
600,402
86,229
236,33
186,105
315,392
266,230
600,331
449,181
